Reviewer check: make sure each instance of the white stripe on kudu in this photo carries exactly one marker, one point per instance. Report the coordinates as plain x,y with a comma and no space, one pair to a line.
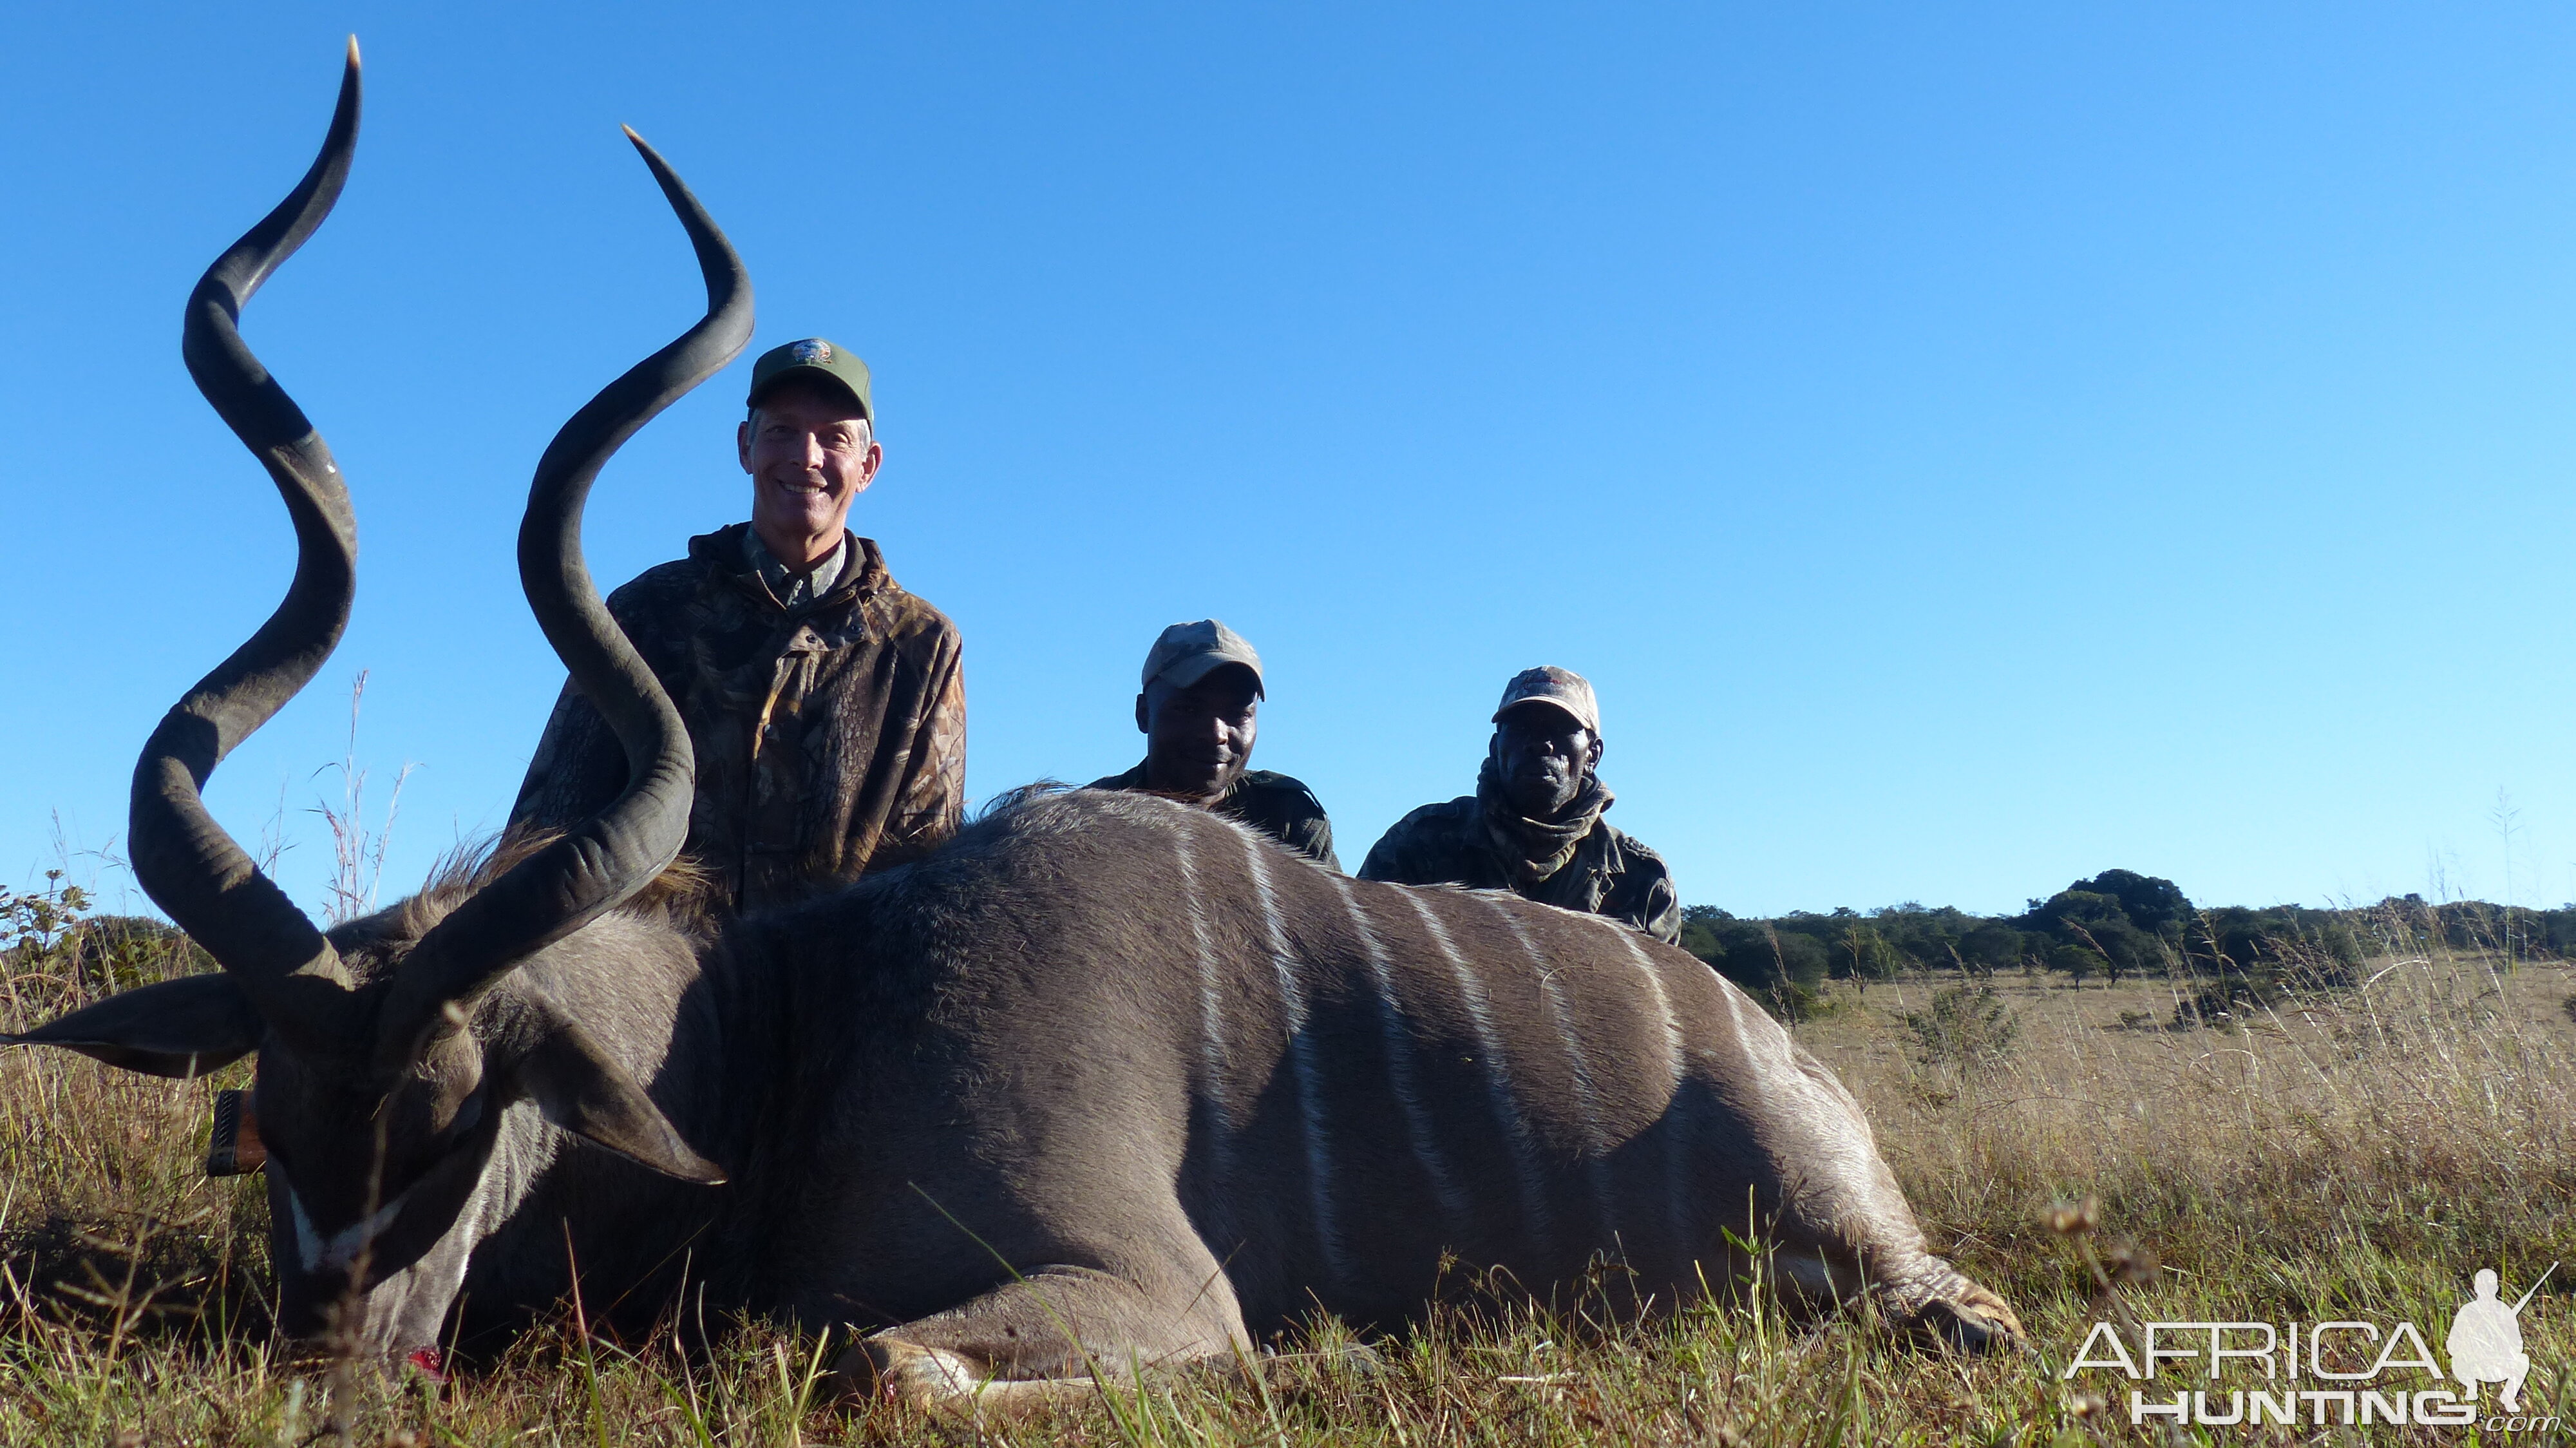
341,1248
1587,1095
1301,1057
1673,1063
1418,1128
1185,873
1489,1049
1744,1070
1676,1141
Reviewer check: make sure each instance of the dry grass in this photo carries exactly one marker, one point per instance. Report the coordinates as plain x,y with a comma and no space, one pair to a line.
2358,1156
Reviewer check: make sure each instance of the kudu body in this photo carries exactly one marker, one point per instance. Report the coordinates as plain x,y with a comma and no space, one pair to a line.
1105,1080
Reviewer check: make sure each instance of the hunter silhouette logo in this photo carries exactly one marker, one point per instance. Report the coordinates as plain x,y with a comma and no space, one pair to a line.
2486,1340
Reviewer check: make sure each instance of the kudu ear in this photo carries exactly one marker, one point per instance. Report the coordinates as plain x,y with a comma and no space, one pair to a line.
184,1027
578,1088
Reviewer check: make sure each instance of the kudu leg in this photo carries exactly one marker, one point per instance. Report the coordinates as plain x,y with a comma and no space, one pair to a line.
1819,1269
1788,1159
1048,1337
1847,1228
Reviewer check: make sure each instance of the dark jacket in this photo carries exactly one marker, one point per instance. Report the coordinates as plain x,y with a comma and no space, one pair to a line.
825,735
1611,874
1274,804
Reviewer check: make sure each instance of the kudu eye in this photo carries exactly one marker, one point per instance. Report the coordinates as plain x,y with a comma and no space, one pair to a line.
466,1118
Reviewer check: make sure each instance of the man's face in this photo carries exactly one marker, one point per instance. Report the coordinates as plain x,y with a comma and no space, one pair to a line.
1544,757
1198,739
809,451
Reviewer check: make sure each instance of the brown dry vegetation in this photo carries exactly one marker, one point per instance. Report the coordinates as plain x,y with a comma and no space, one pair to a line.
2353,1154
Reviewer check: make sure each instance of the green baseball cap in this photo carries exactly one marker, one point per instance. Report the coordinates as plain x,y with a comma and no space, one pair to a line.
812,356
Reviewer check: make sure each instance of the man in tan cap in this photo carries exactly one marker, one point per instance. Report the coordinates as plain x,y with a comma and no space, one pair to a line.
1534,823
1198,710
826,704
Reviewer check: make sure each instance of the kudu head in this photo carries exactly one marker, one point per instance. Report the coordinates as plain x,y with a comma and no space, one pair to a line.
387,1057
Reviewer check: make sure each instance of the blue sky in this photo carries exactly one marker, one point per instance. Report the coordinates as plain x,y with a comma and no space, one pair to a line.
1969,447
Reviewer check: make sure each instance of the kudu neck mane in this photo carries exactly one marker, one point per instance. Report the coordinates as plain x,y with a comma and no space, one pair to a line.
685,896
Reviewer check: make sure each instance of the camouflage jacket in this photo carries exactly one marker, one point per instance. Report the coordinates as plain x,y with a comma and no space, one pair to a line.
1274,804
825,734
1610,874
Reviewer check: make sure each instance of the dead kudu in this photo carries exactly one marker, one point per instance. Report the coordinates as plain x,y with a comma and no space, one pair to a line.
1104,1081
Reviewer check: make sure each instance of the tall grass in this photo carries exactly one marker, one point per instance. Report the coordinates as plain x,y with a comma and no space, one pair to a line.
357,847
2356,1152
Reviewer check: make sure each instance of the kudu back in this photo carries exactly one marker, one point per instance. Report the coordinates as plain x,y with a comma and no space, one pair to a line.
1104,1081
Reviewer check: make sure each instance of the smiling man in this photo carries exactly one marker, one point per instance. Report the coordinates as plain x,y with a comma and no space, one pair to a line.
1199,711
1534,823
827,705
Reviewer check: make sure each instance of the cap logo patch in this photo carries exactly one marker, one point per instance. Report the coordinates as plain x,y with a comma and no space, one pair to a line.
812,350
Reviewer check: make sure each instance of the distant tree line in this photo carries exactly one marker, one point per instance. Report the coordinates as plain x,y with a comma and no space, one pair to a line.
2118,924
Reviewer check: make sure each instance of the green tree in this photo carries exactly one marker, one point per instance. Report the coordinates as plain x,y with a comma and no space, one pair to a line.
2128,921
2078,961
2155,906
1783,969
1991,946
1868,954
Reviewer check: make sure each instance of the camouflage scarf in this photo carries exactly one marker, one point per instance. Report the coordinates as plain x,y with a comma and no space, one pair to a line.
1534,850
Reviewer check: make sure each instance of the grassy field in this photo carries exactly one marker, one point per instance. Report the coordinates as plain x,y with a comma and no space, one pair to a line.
2356,1155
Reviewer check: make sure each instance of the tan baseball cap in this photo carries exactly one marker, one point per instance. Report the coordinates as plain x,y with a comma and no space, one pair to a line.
1548,684
1189,652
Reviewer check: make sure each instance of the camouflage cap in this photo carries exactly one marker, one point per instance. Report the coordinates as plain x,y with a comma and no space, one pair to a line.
1189,652
812,357
1548,684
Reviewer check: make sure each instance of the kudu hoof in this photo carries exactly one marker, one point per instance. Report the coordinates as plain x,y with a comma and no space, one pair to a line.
948,1386
1983,1326
890,1370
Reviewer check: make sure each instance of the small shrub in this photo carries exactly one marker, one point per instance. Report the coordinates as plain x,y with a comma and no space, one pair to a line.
1968,1024
2136,1020
1791,1001
36,925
